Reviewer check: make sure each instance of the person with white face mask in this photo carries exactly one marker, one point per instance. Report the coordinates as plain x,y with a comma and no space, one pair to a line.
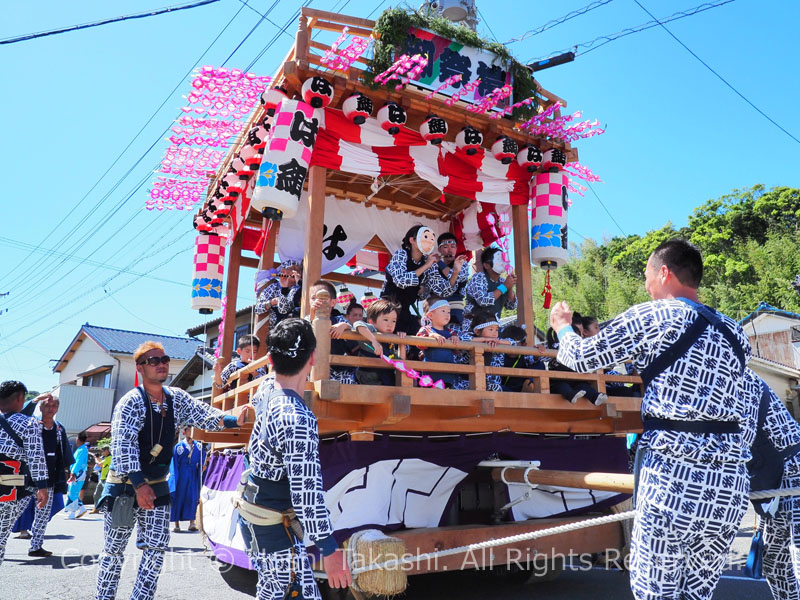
490,288
408,272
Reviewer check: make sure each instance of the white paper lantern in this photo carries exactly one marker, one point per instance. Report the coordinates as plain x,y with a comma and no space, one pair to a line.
317,91
469,139
433,129
529,158
505,149
271,98
285,163
358,108
549,244
392,117
554,159
209,267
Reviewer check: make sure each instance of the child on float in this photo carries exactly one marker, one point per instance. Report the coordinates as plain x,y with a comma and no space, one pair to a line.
519,361
437,315
407,274
571,389
246,347
280,297
382,317
486,330
491,288
323,296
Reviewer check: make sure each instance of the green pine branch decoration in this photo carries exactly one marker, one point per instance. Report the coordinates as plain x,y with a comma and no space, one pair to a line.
393,25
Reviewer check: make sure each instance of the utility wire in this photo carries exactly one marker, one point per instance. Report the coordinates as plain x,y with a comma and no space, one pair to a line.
267,19
608,212
717,75
150,13
120,155
489,27
550,24
605,39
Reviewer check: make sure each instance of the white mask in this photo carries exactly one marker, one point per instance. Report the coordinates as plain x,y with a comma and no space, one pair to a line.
497,263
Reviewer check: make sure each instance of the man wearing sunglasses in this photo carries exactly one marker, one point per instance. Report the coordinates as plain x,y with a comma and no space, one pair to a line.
144,428
450,277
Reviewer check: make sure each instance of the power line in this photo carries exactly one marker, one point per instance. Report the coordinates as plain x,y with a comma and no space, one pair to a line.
608,212
550,24
489,27
120,155
605,39
150,13
718,76
249,33
267,19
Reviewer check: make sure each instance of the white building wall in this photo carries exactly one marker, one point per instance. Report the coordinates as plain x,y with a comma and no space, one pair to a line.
82,406
89,355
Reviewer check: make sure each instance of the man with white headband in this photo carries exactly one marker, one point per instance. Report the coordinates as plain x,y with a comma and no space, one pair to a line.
449,279
280,297
489,289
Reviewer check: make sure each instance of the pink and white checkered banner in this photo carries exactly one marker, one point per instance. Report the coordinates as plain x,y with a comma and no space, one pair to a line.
209,267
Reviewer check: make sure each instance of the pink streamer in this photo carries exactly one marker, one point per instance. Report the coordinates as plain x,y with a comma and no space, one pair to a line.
424,380
447,83
466,89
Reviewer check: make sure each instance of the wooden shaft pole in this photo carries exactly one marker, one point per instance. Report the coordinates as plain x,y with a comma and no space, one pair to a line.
606,482
312,265
322,331
522,262
231,289
266,261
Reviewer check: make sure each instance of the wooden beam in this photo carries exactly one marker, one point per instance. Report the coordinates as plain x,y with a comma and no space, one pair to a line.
354,279
312,265
622,483
249,262
231,289
522,260
338,18
395,410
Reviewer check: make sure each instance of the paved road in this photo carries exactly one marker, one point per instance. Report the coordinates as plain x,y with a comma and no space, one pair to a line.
190,572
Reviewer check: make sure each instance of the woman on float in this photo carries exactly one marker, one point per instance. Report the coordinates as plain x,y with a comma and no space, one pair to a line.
489,289
408,272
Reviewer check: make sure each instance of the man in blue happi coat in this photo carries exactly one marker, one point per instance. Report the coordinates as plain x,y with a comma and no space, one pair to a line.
184,480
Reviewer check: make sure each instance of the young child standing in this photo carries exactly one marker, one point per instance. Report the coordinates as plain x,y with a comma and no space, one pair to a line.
486,329
437,312
518,361
382,317
569,389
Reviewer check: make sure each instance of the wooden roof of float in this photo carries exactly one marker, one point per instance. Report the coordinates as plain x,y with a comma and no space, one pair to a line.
402,193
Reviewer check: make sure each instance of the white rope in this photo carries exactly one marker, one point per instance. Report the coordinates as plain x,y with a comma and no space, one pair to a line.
535,535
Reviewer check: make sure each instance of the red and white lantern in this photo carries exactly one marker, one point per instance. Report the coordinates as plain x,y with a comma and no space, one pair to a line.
271,98
392,117
344,298
554,159
529,158
209,266
358,108
317,91
433,129
367,299
505,149
469,140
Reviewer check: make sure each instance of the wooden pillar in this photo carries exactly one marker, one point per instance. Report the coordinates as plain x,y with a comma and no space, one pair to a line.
312,264
522,262
301,42
231,289
265,262
322,331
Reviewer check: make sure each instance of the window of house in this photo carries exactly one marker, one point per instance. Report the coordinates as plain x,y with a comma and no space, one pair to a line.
240,331
101,379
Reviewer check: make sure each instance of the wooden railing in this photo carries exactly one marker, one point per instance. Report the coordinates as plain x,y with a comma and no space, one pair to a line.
408,407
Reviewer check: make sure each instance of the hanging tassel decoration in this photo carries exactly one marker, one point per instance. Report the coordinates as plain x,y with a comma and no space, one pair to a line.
546,292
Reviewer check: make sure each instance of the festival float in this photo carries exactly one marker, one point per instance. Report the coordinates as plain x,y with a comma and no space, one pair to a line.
410,119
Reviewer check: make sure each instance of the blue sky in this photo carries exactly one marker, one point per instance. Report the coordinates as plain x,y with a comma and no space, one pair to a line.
78,246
